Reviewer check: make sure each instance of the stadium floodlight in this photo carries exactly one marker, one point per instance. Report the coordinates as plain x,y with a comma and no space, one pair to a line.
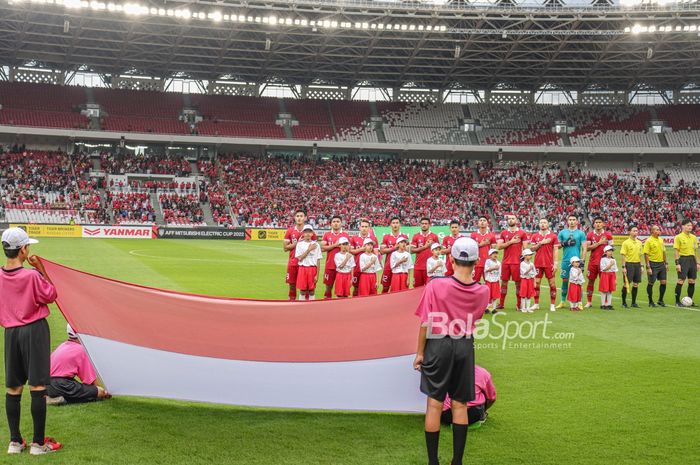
216,16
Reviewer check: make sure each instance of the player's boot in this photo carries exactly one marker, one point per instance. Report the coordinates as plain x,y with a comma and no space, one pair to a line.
50,445
552,308
534,307
588,305
562,304
652,304
661,303
16,447
635,305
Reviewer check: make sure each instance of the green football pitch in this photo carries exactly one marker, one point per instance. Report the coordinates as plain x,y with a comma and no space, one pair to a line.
606,387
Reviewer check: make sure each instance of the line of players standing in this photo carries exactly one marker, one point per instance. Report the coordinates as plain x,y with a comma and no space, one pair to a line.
353,261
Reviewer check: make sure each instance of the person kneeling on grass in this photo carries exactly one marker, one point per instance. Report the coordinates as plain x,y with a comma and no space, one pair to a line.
476,409
68,361
448,311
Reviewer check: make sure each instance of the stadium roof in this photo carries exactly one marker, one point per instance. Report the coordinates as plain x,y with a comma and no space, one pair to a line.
439,45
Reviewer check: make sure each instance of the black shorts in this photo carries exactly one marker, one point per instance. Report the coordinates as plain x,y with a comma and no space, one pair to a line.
475,414
71,390
658,271
448,368
634,272
689,268
28,354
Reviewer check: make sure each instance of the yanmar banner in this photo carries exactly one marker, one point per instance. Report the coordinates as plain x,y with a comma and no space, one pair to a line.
119,232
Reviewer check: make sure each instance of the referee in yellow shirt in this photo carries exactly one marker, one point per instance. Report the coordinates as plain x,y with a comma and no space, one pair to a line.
684,246
632,267
655,257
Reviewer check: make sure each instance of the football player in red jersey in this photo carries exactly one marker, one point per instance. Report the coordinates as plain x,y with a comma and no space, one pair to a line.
486,240
329,243
420,245
596,241
357,248
512,241
291,237
388,246
546,246
447,242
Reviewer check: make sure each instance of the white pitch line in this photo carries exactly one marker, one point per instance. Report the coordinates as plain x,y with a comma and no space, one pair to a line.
136,253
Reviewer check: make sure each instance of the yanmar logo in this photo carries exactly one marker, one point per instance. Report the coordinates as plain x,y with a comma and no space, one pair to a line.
119,232
91,231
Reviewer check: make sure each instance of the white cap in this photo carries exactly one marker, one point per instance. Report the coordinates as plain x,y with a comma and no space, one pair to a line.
608,247
402,239
435,246
368,241
307,227
527,253
71,333
343,240
574,259
492,251
465,248
16,238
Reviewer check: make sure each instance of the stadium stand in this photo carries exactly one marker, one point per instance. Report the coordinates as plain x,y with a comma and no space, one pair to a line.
141,111
43,187
516,124
263,191
238,116
52,106
39,186
530,193
131,208
42,105
129,163
181,210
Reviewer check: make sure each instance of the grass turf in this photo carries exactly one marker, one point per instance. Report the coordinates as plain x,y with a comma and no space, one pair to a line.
623,390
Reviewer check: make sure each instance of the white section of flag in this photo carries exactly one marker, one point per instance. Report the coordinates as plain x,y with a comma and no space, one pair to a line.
388,384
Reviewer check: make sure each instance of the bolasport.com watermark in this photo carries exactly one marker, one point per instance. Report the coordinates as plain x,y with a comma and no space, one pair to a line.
500,333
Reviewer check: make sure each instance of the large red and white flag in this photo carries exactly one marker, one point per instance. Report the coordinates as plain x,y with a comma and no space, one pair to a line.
351,354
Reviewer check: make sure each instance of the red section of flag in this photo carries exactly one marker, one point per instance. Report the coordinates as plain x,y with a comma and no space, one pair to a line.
238,329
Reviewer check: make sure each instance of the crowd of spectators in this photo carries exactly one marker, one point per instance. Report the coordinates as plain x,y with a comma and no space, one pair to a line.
530,192
263,191
131,208
147,164
626,199
181,209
